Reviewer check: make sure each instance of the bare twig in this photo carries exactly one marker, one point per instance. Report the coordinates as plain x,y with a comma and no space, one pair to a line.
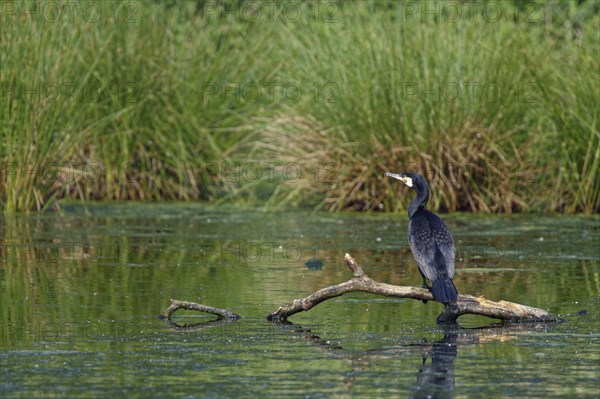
175,305
466,304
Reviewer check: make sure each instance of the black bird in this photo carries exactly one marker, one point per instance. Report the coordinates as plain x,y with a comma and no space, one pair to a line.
430,241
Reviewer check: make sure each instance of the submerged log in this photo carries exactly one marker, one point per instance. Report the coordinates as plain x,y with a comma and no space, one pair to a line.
466,304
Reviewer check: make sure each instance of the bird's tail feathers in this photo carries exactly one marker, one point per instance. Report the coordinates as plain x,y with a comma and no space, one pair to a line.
443,290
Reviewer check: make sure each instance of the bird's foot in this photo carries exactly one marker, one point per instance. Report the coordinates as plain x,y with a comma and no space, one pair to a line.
428,289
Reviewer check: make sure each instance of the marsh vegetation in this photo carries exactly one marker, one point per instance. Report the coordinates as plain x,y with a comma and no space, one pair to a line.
302,103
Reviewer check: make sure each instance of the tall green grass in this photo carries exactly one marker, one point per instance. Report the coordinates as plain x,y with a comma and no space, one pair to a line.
500,116
164,100
133,116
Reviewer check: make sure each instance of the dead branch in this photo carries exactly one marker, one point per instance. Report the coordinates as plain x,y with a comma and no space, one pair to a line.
466,304
175,305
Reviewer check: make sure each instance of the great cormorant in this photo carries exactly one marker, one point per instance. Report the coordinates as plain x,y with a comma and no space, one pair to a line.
430,241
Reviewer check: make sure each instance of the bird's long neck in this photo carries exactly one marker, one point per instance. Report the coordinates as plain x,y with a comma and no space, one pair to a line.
418,202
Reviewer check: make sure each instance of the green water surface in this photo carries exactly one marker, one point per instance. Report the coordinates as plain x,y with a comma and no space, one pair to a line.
81,292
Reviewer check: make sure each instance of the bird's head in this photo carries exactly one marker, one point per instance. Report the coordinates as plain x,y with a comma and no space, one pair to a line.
406,178
417,183
412,180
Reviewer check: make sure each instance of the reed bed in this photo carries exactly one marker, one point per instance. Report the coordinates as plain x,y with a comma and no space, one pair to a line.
302,104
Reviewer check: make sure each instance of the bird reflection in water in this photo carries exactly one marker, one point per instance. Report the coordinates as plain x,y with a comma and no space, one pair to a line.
436,374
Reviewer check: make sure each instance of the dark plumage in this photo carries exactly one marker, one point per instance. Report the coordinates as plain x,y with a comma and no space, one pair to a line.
430,241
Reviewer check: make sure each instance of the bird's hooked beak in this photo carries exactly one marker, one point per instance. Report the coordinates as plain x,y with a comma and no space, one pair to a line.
404,179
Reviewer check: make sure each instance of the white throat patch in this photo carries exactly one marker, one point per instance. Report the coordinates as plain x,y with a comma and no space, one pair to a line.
408,181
